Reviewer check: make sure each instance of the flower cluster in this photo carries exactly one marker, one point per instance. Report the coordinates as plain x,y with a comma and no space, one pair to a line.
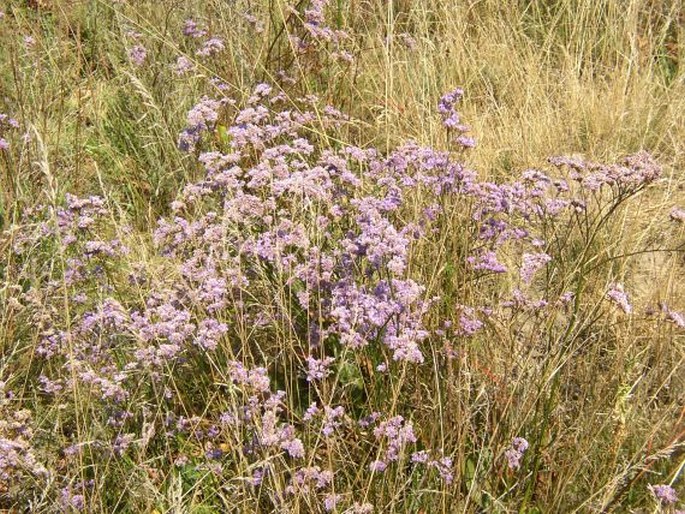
7,124
514,454
635,171
313,32
137,54
201,118
452,120
617,295
664,493
393,435
677,214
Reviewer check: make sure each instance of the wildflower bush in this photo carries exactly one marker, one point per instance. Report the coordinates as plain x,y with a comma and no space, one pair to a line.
322,323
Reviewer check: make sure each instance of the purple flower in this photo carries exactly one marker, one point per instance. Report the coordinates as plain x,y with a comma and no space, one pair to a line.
676,318
369,420
294,447
209,333
465,141
211,46
257,477
449,100
331,501
487,261
72,501
214,454
121,444
520,444
677,214
378,466
192,29
532,262
664,493
311,411
331,419
318,369
183,65
395,434
137,55
444,467
421,457
514,454
617,295
201,118
469,324
360,508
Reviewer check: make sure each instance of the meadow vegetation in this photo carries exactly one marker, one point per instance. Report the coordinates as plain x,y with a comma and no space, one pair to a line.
345,256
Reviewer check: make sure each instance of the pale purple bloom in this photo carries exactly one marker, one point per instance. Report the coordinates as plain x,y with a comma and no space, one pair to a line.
121,444
449,100
532,262
444,467
469,324
331,501
308,479
201,118
617,295
465,141
395,434
378,466
211,46
318,369
369,420
514,454
257,477
311,412
566,297
332,419
487,261
294,447
209,333
677,214
137,54
408,40
359,508
72,501
192,29
676,318
183,65
664,493
636,170
421,457
520,444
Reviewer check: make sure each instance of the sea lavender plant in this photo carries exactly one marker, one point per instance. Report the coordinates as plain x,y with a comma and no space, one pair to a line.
514,454
617,295
665,494
288,266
